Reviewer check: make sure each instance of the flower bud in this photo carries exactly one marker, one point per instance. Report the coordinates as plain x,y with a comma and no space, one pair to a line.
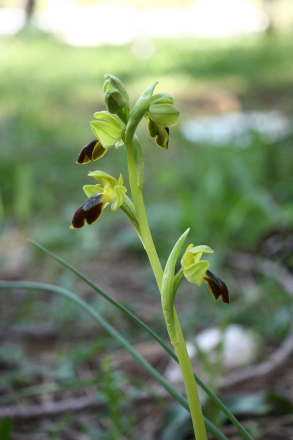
114,100
162,98
112,82
164,115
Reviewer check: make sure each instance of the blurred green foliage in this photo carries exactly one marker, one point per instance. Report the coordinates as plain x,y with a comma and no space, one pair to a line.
230,196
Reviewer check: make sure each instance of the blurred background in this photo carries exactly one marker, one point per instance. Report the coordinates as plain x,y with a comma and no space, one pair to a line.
227,175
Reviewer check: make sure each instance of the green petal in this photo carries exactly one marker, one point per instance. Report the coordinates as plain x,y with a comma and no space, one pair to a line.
197,251
91,190
120,192
201,248
187,260
196,272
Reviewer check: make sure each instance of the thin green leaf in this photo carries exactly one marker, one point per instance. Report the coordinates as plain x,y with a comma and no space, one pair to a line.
115,334
142,325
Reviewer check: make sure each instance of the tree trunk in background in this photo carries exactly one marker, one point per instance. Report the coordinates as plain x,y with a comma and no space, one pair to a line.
277,11
30,6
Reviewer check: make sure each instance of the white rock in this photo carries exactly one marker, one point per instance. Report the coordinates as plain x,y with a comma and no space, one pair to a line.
240,348
240,345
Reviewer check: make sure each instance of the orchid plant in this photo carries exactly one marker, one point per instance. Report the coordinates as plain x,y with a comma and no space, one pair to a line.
116,127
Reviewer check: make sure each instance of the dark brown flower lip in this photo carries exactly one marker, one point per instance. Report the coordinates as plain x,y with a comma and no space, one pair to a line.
217,287
89,212
92,151
86,153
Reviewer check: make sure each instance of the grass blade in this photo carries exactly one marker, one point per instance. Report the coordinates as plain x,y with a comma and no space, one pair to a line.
142,325
115,334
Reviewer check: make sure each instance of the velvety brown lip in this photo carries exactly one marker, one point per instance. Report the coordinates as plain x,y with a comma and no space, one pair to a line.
89,212
217,287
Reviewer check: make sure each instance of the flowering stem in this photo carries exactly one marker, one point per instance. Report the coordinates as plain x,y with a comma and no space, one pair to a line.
189,381
178,342
144,228
170,284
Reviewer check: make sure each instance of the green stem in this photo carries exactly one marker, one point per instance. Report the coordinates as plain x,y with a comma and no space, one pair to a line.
144,228
169,288
180,345
115,334
190,384
135,167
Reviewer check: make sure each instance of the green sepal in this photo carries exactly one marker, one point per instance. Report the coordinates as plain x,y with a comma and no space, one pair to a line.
120,192
91,190
108,135
168,286
139,162
103,177
138,111
108,129
161,134
196,272
164,115
162,98
108,117
115,83
114,100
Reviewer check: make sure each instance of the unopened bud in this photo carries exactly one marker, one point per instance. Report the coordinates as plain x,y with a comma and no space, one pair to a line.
164,115
114,100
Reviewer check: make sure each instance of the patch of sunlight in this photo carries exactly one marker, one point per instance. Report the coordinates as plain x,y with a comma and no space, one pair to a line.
84,26
11,20
238,128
